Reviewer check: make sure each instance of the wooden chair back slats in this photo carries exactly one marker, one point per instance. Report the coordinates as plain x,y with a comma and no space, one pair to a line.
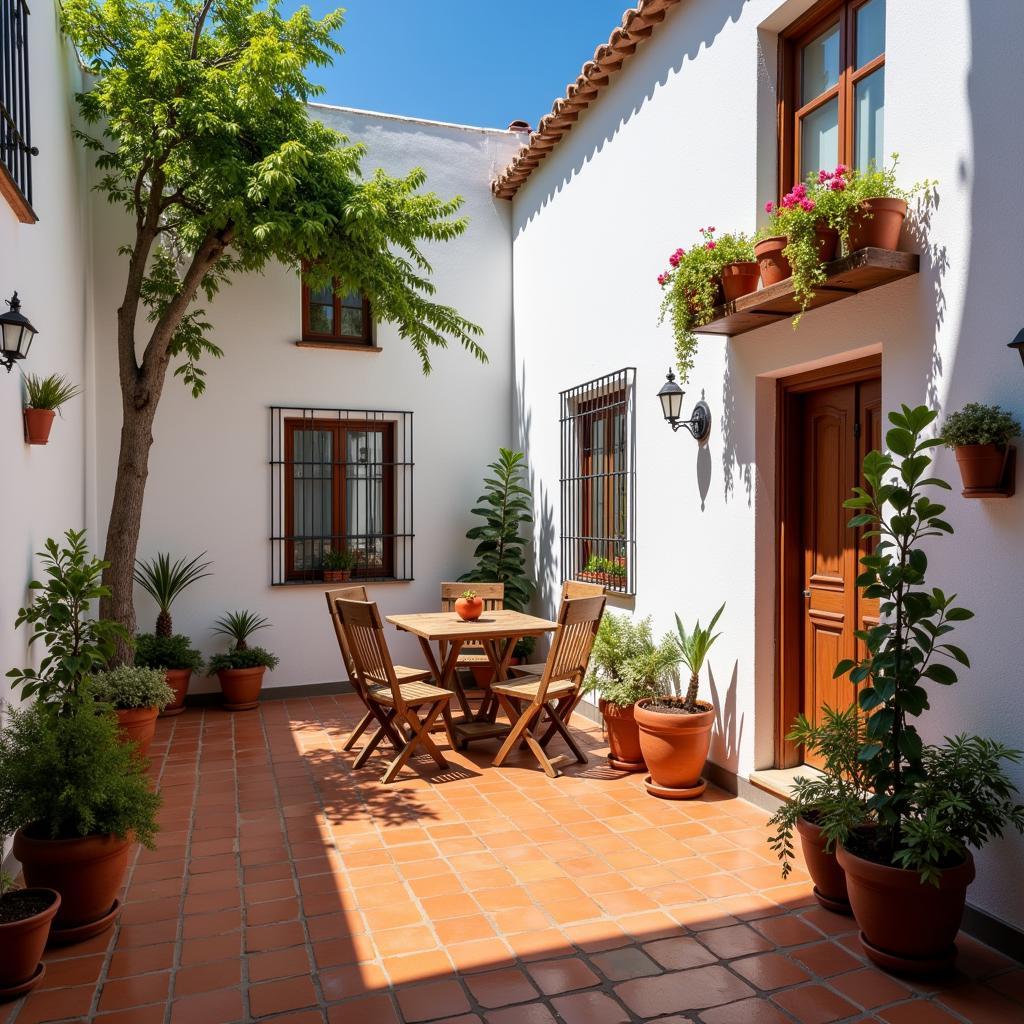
345,594
578,622
492,595
368,645
576,588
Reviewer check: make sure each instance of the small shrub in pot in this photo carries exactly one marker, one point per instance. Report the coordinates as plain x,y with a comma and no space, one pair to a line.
337,565
137,696
241,668
176,657
979,435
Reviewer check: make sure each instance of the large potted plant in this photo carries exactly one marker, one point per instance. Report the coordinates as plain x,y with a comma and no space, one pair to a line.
165,581
137,696
693,284
241,668
44,397
979,435
626,665
825,806
907,877
675,734
25,917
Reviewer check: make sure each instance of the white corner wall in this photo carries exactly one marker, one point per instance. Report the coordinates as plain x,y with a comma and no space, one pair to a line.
209,483
685,137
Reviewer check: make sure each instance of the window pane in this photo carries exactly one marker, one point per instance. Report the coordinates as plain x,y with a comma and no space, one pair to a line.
312,473
353,299
321,319
352,322
819,65
869,120
364,497
870,31
819,138
322,295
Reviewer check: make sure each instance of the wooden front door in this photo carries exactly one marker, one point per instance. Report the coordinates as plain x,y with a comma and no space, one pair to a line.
830,427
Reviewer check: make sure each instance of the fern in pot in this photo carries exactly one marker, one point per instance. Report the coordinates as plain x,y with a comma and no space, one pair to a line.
44,397
241,668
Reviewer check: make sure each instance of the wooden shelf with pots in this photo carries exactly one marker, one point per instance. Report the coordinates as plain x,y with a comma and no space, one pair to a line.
859,272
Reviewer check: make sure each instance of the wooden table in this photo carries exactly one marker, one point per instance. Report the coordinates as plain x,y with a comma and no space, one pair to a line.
497,632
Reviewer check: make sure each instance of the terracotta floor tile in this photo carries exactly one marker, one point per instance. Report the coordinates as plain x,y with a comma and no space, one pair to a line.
396,941
279,963
980,1005
626,963
404,970
83,970
274,936
1010,984
206,950
42,1006
770,971
501,988
277,996
746,1011
553,977
786,930
463,929
221,1007
814,1004
136,1015
532,1013
680,953
375,1009
870,988
590,1008
352,980
433,1000
123,993
596,935
919,1011
696,989
825,959
737,940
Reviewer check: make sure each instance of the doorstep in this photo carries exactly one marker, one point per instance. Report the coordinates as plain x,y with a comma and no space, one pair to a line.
779,781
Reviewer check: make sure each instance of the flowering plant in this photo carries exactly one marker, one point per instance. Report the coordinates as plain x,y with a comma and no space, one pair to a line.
691,288
880,183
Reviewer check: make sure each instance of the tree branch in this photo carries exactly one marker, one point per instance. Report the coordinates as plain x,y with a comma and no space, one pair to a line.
199,28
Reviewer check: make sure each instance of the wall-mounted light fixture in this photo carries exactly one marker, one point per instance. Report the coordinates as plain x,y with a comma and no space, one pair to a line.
16,333
1018,343
671,398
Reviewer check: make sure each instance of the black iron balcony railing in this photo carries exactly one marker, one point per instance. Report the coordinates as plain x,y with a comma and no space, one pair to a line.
16,150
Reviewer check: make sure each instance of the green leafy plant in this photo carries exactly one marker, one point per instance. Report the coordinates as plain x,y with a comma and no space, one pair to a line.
68,775
505,507
49,392
164,581
906,651
693,647
691,288
833,799
976,423
246,657
76,643
607,566
876,182
127,687
339,560
239,626
166,652
626,664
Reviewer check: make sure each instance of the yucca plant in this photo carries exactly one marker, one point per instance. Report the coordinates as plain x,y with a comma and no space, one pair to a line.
239,626
49,392
164,582
693,650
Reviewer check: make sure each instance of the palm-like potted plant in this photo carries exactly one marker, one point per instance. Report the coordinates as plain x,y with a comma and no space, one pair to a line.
44,397
25,917
675,734
979,434
241,668
165,581
627,665
337,565
137,696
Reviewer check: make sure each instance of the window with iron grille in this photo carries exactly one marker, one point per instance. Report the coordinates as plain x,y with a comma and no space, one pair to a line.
341,481
598,482
16,149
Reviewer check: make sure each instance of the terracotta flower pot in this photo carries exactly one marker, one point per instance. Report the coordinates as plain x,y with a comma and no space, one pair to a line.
23,939
37,425
675,747
740,279
827,241
469,609
981,465
337,575
137,725
878,223
624,752
241,687
178,680
773,265
86,871
905,926
828,877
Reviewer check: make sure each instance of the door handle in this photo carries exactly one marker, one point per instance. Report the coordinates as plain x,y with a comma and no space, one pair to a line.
807,593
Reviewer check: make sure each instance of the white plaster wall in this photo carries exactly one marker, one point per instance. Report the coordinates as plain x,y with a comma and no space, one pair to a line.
685,137
209,483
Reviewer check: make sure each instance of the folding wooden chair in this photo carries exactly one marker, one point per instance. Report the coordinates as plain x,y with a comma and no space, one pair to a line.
493,597
570,589
556,688
404,674
398,704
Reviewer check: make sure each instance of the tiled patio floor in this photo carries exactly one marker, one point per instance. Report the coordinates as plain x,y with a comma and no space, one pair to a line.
288,887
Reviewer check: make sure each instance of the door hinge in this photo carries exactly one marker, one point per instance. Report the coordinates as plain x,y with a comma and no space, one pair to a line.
856,429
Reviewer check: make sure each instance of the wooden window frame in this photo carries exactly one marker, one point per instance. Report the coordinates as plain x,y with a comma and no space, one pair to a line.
607,408
336,339
338,429
791,110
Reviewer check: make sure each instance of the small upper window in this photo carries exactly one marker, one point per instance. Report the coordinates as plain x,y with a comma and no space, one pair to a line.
330,316
833,89
16,149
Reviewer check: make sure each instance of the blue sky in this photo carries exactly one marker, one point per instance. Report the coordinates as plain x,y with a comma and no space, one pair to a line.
479,62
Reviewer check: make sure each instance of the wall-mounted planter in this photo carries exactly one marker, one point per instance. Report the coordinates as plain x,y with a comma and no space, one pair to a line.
337,575
37,425
987,470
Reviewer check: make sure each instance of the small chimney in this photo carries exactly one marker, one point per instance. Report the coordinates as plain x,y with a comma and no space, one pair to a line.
520,126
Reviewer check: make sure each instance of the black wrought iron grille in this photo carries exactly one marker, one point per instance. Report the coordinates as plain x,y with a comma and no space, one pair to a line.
341,495
16,150
598,481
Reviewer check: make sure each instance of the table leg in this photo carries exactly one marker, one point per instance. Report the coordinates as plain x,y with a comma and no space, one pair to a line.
447,677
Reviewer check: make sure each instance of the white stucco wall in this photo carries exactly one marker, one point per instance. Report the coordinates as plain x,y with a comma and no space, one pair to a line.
685,137
209,483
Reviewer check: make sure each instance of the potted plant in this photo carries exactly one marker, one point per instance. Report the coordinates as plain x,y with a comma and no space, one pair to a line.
693,285
76,798
675,734
241,669
626,665
825,806
337,565
137,696
25,916
979,435
43,398
469,606
165,581
176,657
907,877
876,207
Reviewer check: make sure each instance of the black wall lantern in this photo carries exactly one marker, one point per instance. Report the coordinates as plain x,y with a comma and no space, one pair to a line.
671,398
16,334
1018,343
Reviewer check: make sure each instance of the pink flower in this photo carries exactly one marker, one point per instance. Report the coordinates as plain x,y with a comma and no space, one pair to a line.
710,244
788,201
823,176
768,207
673,260
837,184
712,230
807,204
663,278
841,170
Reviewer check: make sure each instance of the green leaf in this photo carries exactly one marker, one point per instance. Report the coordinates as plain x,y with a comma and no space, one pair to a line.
843,667
942,674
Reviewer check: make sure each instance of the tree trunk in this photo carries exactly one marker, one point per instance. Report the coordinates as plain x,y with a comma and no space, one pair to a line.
691,692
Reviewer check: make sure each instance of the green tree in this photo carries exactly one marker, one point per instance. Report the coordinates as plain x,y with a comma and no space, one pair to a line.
197,117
